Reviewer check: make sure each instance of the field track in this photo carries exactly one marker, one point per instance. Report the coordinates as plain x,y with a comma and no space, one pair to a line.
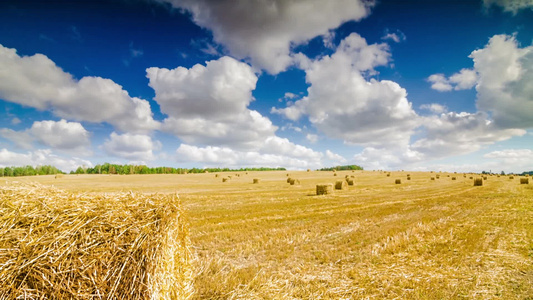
422,239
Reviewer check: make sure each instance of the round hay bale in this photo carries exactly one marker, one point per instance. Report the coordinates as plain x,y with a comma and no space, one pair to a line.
340,185
350,182
225,179
216,175
308,170
471,177
484,177
398,181
511,177
478,182
289,180
454,178
432,178
408,178
437,176
256,180
334,174
294,182
388,174
61,245
524,180
324,189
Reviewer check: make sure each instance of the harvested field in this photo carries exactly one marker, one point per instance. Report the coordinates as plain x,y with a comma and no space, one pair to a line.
422,239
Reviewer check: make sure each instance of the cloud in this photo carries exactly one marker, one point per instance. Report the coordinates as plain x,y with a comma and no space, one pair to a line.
372,158
223,156
440,83
434,108
265,31
335,158
505,76
209,104
15,121
516,160
397,37
21,139
459,133
512,6
312,138
41,157
343,104
36,81
131,146
61,135
463,80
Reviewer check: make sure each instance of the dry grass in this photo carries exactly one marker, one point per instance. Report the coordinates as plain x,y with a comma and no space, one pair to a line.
60,245
444,240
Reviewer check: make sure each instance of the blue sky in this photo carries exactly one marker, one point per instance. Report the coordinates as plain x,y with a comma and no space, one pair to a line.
415,85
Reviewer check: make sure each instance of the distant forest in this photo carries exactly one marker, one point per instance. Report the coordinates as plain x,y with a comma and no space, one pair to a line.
108,168
343,168
29,171
142,169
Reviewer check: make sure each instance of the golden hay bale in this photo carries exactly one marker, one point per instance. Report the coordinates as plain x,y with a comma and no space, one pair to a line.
289,180
388,174
350,182
308,170
478,182
524,180
60,245
432,178
471,177
216,175
294,182
454,178
225,179
340,185
408,178
484,177
323,189
408,175
511,177
437,176
398,181
256,180
334,174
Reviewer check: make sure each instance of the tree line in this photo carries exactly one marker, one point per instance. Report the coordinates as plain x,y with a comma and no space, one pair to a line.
108,168
343,168
29,171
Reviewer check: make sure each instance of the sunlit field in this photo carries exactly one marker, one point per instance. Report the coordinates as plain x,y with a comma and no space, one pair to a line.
421,239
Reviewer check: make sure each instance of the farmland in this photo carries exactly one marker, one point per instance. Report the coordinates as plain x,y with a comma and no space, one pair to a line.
421,239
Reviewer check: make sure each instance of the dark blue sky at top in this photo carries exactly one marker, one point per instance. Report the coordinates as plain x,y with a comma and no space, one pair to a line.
97,38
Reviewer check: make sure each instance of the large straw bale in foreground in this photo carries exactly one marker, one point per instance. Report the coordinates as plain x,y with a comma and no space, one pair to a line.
59,245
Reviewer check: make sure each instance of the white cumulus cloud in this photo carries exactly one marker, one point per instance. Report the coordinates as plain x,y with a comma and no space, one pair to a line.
209,104
265,31
131,146
343,104
59,135
41,157
36,81
224,156
505,76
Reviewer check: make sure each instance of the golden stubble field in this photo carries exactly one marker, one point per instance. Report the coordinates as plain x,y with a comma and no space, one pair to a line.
421,239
